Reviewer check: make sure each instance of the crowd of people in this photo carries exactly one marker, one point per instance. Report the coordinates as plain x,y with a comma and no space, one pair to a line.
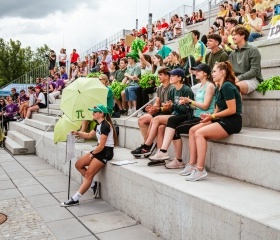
199,95
249,13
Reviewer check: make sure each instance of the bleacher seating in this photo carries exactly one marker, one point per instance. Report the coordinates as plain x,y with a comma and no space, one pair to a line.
239,199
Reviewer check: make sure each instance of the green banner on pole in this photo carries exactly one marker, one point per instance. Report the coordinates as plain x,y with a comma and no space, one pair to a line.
186,46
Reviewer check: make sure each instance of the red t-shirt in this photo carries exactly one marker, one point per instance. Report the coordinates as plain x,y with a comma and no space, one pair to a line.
115,57
74,57
164,25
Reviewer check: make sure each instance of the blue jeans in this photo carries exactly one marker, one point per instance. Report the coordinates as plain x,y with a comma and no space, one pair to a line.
130,93
253,36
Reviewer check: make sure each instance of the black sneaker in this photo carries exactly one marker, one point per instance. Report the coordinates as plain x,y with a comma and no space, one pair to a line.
142,152
137,150
96,190
69,203
156,163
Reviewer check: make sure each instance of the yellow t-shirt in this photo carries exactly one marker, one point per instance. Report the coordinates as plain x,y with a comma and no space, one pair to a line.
260,7
222,13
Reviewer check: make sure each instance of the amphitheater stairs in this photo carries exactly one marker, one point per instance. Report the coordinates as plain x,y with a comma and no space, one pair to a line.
239,199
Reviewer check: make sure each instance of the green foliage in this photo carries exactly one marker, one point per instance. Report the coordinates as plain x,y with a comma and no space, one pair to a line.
148,80
94,75
137,44
15,61
117,88
272,83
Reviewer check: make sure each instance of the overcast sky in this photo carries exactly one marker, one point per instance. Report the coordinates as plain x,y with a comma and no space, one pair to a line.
76,24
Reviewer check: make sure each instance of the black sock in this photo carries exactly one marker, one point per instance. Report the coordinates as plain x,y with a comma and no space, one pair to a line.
180,160
164,151
146,146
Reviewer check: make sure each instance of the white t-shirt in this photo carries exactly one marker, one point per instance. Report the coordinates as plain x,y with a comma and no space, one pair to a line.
42,98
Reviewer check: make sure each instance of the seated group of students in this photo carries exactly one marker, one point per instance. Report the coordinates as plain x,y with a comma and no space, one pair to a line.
22,107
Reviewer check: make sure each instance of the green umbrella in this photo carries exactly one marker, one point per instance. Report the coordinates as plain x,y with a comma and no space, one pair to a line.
63,126
80,95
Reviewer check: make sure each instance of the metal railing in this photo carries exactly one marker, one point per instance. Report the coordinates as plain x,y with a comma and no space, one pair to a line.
26,80
106,42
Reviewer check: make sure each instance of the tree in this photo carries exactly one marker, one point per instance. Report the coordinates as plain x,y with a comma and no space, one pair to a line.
16,61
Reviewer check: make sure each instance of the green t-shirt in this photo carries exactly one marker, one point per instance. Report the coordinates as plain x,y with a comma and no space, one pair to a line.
133,71
200,50
228,92
174,96
110,100
119,75
164,51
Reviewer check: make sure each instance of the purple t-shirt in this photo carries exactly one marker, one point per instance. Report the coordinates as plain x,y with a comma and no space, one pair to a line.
23,98
59,83
64,76
11,109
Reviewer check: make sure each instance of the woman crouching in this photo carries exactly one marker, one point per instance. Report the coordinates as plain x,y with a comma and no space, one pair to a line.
225,120
96,159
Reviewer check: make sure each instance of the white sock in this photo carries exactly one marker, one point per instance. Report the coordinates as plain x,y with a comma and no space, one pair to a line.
77,196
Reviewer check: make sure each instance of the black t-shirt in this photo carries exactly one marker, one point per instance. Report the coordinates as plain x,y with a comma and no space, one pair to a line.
52,61
228,92
15,97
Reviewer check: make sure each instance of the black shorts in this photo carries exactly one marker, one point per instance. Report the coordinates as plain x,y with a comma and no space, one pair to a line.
41,105
51,67
105,155
175,120
62,64
231,124
184,127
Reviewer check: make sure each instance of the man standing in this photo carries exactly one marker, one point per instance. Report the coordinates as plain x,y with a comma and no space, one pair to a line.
163,50
255,25
74,57
246,61
52,59
200,48
216,54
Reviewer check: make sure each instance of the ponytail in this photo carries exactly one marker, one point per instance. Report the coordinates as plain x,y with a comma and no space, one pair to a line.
109,120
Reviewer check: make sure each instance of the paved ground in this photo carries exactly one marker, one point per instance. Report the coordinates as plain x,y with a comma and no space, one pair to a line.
30,193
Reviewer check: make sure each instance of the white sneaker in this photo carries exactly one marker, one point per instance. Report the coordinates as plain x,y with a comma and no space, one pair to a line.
159,156
196,175
187,170
133,114
23,121
175,164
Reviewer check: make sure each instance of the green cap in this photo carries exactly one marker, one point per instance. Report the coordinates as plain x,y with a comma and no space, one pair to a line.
99,108
133,56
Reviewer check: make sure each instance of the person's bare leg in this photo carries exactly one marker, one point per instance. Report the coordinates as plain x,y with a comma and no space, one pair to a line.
92,170
168,136
30,110
243,87
160,135
158,120
212,131
192,142
84,126
143,123
82,163
178,147
124,104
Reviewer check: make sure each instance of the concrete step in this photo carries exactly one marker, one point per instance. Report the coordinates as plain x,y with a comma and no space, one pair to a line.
268,48
270,68
55,106
40,125
44,118
16,148
251,156
51,112
162,200
262,111
22,140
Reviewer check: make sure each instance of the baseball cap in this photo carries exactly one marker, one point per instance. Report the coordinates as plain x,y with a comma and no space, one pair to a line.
178,72
99,108
202,67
